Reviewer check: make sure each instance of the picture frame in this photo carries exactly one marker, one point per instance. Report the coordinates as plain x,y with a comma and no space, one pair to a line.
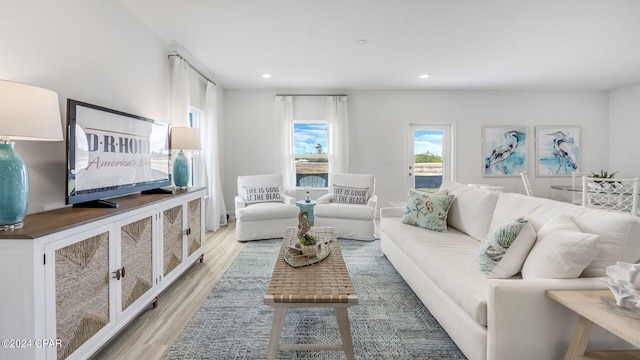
557,150
504,150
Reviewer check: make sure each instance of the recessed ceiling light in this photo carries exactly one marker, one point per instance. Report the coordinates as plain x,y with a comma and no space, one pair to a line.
266,76
424,76
361,42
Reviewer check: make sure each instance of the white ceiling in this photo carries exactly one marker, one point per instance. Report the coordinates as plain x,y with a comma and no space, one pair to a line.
463,44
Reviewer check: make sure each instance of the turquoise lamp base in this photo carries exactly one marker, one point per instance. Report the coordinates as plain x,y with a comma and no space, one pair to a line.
14,188
181,170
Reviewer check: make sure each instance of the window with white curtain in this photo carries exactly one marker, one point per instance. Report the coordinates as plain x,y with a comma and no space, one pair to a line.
195,119
311,153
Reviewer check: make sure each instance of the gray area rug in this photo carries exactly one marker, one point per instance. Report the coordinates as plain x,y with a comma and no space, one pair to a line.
390,322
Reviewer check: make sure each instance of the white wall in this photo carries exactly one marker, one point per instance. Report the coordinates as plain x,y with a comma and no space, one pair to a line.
93,51
624,118
379,122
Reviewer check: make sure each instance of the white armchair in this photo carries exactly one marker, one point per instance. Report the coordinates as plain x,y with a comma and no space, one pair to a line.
349,207
262,210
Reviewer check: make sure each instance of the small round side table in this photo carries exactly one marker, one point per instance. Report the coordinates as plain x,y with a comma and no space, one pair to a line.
308,206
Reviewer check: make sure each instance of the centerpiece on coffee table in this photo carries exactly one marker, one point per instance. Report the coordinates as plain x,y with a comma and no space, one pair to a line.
307,245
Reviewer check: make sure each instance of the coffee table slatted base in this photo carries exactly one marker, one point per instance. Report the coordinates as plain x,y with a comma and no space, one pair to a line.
324,284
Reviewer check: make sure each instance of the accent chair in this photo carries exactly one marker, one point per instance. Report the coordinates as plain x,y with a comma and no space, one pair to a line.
349,207
262,210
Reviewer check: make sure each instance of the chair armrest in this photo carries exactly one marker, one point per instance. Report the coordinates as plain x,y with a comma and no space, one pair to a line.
289,200
239,201
373,201
324,199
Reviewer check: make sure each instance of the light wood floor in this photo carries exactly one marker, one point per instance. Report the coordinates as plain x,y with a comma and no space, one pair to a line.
151,334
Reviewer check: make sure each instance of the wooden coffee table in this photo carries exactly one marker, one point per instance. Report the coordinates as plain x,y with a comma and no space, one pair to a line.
324,284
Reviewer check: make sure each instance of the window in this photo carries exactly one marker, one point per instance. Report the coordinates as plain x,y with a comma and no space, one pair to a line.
311,153
195,116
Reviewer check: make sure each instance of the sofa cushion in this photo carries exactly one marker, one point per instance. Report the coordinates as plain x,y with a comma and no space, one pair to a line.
472,209
449,259
503,252
561,251
619,233
267,210
427,210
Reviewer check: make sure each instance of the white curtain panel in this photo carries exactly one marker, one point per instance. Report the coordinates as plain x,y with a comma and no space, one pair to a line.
215,210
179,93
284,117
338,120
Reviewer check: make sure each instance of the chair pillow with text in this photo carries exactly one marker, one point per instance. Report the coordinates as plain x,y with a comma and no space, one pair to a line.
261,194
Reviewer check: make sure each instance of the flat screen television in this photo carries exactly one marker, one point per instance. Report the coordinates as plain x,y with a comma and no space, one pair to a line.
112,153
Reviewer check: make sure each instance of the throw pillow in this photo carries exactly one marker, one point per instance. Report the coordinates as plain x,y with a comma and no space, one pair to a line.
505,249
427,210
561,251
349,195
260,194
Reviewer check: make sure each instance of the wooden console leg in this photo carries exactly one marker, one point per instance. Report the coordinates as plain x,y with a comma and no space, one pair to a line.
580,339
279,315
342,316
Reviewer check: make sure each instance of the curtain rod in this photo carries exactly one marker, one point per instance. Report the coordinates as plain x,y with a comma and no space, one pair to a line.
175,53
311,95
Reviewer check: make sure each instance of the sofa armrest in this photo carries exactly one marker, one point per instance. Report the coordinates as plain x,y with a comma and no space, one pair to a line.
522,319
389,212
324,199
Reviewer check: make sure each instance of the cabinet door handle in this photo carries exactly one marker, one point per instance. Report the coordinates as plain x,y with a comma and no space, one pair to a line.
187,231
116,274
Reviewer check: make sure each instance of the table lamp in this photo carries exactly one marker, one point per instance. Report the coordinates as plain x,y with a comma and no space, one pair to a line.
183,138
26,113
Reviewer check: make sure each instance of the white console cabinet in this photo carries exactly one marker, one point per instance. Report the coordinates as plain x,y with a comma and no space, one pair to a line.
71,278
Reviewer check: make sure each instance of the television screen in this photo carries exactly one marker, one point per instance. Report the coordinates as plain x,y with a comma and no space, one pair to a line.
111,153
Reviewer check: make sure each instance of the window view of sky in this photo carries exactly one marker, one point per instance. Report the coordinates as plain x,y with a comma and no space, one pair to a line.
306,138
428,140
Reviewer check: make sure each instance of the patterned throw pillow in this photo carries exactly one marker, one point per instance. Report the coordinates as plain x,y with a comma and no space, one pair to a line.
505,249
349,195
260,194
427,210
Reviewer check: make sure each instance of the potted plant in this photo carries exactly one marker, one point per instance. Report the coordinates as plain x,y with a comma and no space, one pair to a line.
603,174
308,245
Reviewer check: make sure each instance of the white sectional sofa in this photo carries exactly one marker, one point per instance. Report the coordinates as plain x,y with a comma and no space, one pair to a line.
501,319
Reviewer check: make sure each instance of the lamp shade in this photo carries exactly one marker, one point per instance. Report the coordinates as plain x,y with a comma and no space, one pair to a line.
28,113
185,138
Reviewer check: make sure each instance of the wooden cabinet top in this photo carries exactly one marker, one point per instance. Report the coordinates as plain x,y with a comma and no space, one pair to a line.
48,222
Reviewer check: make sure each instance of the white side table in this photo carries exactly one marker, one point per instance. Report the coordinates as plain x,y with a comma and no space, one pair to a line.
308,207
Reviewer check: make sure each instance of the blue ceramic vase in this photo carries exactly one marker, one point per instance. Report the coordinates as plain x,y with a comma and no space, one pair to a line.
14,187
181,170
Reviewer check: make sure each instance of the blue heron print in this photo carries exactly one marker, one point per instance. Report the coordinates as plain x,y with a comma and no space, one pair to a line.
563,150
558,151
507,153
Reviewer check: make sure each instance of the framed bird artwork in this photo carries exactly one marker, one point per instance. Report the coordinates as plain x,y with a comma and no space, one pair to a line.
504,150
557,150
